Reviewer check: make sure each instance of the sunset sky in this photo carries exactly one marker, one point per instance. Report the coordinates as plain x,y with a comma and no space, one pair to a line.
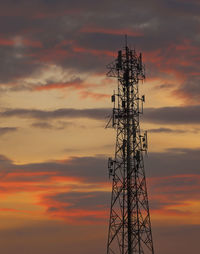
54,106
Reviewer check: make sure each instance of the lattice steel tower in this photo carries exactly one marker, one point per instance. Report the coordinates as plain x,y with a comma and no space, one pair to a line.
129,226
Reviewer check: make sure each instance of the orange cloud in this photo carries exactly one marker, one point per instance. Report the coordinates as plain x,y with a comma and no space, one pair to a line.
175,196
15,182
165,64
35,44
65,211
51,55
76,200
26,42
79,216
94,52
73,84
6,42
129,32
186,45
96,96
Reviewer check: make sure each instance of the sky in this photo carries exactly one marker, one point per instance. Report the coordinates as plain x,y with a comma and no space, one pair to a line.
54,106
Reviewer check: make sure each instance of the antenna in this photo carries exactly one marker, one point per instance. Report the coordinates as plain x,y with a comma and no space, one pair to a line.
129,224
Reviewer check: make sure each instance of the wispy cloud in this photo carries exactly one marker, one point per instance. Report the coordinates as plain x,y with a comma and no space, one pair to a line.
5,130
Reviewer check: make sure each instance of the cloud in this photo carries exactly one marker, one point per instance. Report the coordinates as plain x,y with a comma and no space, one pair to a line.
83,38
93,95
94,169
16,64
5,130
165,86
98,113
42,125
68,190
110,31
173,162
163,115
77,190
75,44
90,168
182,186
173,115
74,83
168,130
189,91
77,207
60,125
86,200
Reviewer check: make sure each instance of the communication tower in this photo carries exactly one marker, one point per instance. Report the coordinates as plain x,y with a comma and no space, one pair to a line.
129,225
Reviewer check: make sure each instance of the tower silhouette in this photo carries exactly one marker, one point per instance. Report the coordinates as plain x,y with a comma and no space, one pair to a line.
129,225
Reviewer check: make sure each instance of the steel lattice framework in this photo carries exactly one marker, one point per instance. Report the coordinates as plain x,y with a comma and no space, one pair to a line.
129,226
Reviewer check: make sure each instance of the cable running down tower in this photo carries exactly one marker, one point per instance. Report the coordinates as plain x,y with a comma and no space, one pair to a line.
129,225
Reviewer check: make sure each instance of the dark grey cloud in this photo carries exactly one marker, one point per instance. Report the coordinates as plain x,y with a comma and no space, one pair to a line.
92,169
79,200
165,86
164,24
12,25
98,113
176,131
166,130
42,125
5,130
173,115
5,162
92,64
165,115
175,191
173,162
15,64
59,125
